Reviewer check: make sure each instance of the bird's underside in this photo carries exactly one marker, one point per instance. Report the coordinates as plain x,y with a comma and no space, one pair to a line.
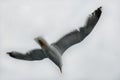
62,44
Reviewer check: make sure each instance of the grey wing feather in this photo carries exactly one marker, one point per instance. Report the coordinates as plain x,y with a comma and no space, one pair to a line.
37,54
67,41
78,35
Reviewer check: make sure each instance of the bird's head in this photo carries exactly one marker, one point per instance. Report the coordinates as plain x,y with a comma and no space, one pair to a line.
42,42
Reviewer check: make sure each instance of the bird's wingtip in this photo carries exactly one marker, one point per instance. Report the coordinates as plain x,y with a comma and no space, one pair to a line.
10,54
97,12
100,7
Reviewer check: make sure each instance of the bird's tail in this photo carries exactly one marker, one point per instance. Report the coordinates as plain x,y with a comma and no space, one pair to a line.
60,69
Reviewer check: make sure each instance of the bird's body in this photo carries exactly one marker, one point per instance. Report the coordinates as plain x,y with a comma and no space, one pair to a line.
50,51
55,56
55,50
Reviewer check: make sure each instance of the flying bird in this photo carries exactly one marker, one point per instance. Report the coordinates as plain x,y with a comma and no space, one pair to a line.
55,50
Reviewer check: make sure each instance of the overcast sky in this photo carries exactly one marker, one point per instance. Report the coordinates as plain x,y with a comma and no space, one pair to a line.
95,58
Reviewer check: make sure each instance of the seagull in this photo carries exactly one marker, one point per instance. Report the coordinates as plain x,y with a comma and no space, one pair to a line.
55,50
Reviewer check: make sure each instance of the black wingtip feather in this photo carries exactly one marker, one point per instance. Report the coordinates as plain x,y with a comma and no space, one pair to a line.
10,54
98,12
91,22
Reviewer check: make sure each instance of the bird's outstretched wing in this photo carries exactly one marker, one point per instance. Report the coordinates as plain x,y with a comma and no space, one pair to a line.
36,54
78,35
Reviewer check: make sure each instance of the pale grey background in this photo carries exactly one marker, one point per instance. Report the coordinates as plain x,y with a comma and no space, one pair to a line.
96,58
